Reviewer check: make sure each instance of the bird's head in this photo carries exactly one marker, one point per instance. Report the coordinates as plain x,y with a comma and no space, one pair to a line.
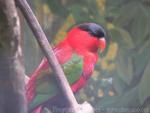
87,36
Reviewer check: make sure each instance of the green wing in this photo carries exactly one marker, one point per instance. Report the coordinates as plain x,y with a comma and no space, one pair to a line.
46,85
73,68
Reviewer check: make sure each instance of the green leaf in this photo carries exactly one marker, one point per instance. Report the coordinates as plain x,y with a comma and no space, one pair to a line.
122,37
129,98
142,56
126,14
124,66
119,85
82,10
57,7
134,17
140,25
112,8
126,100
144,91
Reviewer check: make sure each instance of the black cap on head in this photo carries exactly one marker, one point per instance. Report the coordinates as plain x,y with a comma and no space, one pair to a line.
93,29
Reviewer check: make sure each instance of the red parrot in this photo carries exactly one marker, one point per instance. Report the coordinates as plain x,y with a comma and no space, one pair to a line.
79,50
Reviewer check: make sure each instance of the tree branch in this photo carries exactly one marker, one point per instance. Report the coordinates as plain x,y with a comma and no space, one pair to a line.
12,87
47,49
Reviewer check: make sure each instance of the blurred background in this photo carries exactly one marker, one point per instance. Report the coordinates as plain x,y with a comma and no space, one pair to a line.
121,80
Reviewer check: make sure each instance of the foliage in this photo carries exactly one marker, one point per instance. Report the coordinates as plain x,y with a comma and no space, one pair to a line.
121,78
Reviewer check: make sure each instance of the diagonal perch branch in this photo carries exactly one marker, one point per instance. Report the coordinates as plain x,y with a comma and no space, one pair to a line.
47,49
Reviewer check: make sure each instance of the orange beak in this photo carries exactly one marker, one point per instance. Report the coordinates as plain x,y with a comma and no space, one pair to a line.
102,44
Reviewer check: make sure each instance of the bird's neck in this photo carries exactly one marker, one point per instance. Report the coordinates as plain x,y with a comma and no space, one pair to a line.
63,52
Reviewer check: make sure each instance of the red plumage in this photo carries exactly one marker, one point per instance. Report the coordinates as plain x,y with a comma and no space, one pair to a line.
77,41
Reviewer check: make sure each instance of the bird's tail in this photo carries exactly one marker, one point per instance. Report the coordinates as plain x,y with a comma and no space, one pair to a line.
30,86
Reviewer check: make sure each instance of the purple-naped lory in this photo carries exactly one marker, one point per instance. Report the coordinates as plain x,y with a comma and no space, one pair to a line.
77,53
